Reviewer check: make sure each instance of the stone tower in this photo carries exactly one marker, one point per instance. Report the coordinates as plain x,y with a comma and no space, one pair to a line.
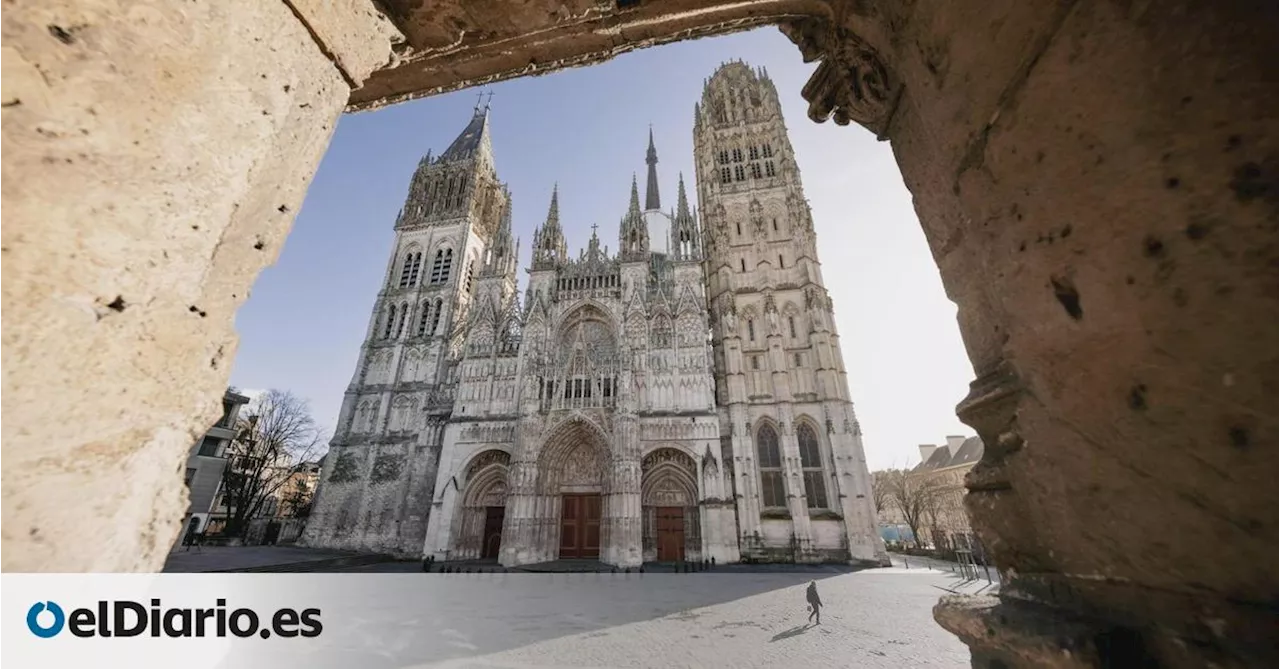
452,236
801,483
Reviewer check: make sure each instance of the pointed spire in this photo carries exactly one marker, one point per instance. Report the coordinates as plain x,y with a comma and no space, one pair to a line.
635,196
553,213
548,240
633,234
472,138
682,200
651,199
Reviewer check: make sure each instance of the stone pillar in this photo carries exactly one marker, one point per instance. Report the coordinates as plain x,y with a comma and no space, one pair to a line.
1097,182
155,158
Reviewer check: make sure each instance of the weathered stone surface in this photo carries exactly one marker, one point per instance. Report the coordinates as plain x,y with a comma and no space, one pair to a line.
142,195
353,33
454,46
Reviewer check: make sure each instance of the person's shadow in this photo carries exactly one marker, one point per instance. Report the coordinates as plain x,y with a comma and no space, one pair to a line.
794,631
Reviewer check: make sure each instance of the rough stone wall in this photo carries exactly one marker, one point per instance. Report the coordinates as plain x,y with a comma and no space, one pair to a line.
1098,185
142,197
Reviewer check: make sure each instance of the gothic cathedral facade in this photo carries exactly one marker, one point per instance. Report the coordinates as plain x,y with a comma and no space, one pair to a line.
681,399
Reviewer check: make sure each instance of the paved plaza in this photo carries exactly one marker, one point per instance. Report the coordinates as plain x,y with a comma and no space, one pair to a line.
873,618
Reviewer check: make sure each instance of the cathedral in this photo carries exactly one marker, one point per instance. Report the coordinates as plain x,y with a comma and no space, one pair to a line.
680,398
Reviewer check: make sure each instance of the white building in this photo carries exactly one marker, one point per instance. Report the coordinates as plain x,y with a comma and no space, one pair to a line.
682,399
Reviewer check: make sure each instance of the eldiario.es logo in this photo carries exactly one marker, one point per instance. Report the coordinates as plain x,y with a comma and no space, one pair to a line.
123,618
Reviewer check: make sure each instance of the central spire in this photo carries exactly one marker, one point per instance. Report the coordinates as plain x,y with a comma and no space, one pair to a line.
651,200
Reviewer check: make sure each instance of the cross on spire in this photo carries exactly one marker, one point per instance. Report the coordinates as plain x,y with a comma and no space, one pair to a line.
478,98
593,229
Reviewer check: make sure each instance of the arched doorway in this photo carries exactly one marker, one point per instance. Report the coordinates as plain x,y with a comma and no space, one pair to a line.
669,500
482,512
572,490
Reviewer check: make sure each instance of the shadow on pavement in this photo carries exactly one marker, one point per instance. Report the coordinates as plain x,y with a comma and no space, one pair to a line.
398,620
794,631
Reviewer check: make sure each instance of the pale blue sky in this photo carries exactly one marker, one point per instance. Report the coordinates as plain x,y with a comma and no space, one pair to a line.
587,129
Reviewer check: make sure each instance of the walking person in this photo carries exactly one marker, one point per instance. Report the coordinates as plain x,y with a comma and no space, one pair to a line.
815,604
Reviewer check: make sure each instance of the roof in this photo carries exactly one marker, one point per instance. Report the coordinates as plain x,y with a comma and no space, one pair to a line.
471,138
970,451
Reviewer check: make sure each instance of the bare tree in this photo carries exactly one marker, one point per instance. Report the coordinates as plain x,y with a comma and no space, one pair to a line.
915,496
273,441
881,489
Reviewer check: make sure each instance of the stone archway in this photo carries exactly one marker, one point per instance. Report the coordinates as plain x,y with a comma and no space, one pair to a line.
672,520
478,523
1097,183
568,508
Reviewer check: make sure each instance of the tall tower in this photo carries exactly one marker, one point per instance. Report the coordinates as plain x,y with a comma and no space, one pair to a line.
801,483
452,235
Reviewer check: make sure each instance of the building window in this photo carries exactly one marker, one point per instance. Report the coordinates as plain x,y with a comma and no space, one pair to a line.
772,492
815,488
798,361
791,324
775,225
442,265
737,155
739,174
781,264
423,318
404,314
754,153
723,157
209,447
755,171
744,263
191,473
767,151
768,169
435,316
391,322
751,330
409,272
739,227
755,362
469,274
726,175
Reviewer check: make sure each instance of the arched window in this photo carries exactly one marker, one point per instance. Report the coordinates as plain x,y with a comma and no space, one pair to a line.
726,175
744,264
768,169
815,487
390,325
769,461
781,263
404,270
755,171
739,174
424,318
751,329
442,265
791,323
435,316
470,276
404,314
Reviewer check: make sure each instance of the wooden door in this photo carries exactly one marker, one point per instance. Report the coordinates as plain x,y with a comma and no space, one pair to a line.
580,526
670,526
493,517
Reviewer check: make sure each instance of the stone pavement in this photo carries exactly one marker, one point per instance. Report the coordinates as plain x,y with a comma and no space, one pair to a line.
877,618
872,618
